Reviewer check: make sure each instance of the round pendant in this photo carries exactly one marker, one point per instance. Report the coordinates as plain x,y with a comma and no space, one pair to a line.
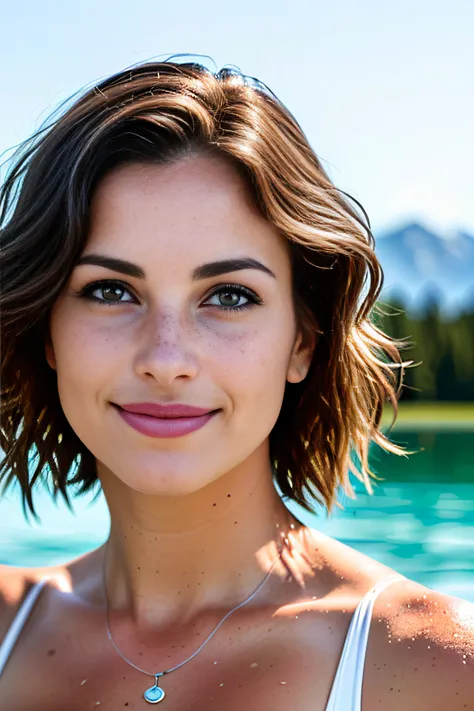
154,695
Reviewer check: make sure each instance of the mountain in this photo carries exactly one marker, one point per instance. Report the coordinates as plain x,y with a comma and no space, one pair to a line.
420,265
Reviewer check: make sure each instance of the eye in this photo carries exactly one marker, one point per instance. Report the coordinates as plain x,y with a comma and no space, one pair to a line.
227,297
232,297
111,289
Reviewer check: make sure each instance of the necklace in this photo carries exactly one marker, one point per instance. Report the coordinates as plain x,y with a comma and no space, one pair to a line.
154,694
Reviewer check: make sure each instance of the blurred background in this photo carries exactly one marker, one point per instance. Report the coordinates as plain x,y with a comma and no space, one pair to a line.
384,93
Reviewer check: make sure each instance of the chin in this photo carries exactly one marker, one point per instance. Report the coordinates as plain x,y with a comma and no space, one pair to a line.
167,480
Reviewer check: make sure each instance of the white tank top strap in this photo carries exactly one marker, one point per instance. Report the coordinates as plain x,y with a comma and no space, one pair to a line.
18,622
346,691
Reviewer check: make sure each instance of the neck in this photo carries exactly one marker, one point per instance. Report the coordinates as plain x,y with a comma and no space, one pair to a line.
168,559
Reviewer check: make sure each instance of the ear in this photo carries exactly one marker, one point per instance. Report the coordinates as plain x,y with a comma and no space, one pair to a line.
49,353
301,357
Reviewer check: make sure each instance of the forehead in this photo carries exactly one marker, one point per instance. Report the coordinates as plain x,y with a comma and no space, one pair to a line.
198,209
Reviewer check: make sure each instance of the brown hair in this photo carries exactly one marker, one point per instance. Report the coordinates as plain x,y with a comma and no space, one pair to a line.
157,112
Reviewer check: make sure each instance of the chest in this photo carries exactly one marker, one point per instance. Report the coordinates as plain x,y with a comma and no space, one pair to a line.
277,664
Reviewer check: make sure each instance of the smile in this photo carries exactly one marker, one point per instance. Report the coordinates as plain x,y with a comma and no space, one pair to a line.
164,426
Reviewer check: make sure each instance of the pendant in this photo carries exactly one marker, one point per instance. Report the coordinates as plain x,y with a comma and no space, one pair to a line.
154,694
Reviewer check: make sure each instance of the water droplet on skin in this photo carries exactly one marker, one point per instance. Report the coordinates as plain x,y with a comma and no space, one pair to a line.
282,682
222,684
254,665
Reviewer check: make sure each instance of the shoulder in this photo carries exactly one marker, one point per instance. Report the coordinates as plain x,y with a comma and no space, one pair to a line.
14,586
16,583
421,650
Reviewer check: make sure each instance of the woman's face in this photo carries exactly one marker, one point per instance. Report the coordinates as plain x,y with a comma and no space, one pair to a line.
217,337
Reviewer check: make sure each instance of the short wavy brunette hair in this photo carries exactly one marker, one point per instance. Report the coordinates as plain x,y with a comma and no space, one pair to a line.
158,112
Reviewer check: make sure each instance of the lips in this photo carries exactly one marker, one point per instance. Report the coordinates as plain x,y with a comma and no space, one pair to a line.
165,421
165,411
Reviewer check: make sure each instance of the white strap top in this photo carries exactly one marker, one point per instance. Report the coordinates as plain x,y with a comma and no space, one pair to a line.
19,620
346,691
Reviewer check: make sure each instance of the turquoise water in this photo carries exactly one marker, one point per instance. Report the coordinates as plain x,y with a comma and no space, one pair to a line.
419,521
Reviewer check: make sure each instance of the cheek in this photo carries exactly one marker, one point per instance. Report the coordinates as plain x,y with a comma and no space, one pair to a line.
252,366
84,357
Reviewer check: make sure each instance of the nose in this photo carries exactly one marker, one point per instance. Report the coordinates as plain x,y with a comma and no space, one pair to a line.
166,352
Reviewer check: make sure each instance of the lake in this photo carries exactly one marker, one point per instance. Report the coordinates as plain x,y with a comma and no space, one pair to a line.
419,521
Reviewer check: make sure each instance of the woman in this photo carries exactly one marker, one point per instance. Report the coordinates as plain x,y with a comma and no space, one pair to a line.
183,323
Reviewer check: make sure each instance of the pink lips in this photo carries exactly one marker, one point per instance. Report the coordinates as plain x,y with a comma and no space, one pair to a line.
156,420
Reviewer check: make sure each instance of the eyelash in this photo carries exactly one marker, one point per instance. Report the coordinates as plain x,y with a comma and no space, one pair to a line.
253,299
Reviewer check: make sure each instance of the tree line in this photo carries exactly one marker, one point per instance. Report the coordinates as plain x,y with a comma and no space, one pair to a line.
443,346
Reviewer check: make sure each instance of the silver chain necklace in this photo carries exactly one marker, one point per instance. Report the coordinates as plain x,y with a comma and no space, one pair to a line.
155,693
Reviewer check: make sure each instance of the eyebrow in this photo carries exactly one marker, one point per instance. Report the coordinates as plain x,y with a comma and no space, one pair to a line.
205,271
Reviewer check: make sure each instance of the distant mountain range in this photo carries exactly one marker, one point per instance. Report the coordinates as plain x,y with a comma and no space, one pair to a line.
420,265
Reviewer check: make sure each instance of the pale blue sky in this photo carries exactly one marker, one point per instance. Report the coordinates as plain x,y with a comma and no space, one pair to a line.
384,91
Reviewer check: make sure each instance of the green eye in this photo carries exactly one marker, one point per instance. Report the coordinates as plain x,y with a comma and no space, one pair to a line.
232,297
111,287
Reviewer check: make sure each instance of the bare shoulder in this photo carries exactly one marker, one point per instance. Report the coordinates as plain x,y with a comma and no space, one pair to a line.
420,652
16,582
